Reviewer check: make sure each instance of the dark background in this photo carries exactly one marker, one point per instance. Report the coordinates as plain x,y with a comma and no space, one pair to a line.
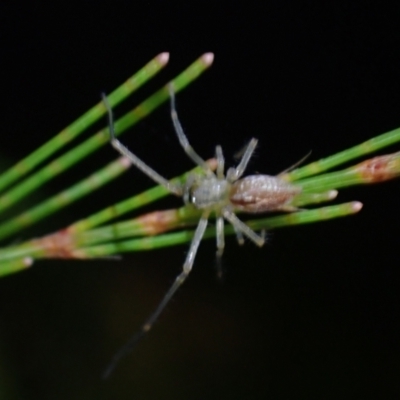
311,315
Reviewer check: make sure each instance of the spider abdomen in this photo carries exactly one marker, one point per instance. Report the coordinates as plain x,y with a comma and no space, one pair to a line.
261,193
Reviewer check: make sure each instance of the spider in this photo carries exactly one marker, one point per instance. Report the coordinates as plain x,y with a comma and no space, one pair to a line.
210,192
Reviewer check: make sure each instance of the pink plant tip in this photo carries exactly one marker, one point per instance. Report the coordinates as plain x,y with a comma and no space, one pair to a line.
125,162
28,261
208,58
163,58
332,194
356,206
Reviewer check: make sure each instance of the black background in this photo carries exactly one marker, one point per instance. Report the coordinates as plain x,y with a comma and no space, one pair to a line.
311,315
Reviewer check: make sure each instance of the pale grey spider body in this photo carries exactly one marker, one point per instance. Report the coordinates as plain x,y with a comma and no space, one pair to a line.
212,193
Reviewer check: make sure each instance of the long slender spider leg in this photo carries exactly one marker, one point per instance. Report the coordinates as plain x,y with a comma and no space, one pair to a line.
183,140
239,236
179,280
295,165
220,162
235,173
220,219
220,244
136,161
242,227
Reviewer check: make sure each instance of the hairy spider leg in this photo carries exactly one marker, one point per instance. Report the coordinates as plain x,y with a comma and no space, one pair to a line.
135,160
179,280
219,218
239,236
295,165
242,227
183,140
220,162
235,173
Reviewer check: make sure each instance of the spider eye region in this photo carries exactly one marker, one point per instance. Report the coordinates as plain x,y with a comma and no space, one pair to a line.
210,193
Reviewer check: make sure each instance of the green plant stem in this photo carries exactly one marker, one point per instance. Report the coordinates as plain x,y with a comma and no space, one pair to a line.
377,169
172,239
367,147
66,197
15,265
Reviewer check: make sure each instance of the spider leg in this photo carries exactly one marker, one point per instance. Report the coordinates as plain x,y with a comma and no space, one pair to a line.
296,164
220,219
187,267
135,160
220,162
239,236
183,140
220,244
242,227
235,173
